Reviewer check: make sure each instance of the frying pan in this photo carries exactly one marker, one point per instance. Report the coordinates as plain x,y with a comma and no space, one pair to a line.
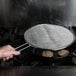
47,36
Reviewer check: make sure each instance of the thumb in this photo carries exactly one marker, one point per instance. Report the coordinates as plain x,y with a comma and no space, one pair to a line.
16,52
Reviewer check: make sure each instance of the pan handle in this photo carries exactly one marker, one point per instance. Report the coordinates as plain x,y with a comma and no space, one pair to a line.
23,46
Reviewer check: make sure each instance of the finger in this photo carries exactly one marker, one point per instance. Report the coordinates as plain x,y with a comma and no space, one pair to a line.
7,58
11,56
4,59
16,52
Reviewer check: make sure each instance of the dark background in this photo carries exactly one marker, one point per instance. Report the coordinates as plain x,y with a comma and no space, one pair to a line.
16,16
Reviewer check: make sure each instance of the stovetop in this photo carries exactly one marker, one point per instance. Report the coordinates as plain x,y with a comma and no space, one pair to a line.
27,57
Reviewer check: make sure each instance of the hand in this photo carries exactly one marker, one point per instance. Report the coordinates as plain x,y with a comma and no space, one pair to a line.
7,52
